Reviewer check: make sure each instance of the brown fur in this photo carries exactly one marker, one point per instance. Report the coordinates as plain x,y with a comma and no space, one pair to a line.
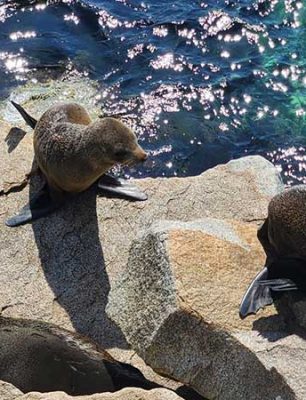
284,232
37,356
73,152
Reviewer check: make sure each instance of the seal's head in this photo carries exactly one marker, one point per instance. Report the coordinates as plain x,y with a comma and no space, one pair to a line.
116,142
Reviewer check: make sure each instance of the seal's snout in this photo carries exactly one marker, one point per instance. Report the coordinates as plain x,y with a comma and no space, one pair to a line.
145,156
141,155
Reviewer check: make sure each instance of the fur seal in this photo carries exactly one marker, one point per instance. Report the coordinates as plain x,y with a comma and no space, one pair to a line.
42,357
37,356
283,237
73,153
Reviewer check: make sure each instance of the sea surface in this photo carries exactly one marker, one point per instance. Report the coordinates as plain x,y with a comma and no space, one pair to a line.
202,82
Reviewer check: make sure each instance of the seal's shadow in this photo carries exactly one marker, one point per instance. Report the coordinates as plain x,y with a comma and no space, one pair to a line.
72,260
285,318
13,138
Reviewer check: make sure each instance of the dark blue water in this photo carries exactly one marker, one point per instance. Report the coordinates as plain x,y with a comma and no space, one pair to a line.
203,81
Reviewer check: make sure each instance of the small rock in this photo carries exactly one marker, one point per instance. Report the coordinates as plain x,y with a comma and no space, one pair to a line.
124,394
9,391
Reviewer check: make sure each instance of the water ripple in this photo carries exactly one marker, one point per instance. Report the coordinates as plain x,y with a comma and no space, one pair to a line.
201,82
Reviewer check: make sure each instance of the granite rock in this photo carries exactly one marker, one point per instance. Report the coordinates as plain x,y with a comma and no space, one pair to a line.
9,391
124,394
60,268
177,304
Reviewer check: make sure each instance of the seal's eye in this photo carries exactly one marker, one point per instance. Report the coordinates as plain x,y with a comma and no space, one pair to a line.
121,154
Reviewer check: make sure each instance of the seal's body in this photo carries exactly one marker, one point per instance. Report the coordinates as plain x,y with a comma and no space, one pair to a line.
286,224
73,152
37,356
283,237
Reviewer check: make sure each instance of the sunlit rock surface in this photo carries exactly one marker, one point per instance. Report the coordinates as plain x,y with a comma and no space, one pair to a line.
124,394
37,98
177,304
9,391
60,269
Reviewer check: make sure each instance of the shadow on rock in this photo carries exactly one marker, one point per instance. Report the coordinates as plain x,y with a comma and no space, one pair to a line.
287,317
213,362
13,138
72,260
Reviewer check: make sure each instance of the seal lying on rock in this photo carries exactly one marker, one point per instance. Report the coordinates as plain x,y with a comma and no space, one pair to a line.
36,356
42,357
283,237
73,152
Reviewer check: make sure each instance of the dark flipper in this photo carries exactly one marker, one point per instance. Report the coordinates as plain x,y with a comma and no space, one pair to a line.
279,285
257,296
120,188
28,119
259,293
40,205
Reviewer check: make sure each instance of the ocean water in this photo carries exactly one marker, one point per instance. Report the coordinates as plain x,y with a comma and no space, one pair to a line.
202,82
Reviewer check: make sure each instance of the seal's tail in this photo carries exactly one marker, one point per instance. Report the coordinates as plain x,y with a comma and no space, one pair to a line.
28,119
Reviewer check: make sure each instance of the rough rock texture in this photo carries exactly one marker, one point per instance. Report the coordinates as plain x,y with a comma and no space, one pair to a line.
60,268
177,304
9,391
124,394
36,98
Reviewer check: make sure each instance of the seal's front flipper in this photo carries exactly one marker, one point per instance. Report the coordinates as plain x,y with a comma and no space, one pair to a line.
39,206
257,296
121,188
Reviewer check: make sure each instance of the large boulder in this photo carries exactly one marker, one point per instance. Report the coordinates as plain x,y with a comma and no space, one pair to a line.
177,304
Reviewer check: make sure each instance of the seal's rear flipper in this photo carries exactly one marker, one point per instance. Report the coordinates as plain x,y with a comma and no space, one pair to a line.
259,293
40,205
28,119
256,297
121,188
